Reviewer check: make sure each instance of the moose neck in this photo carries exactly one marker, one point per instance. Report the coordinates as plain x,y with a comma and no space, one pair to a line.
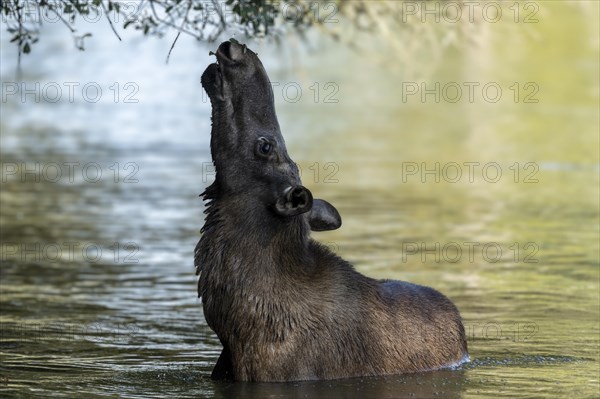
237,221
265,241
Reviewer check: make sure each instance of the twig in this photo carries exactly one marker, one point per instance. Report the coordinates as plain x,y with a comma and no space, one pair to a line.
218,9
39,11
67,24
20,21
173,45
183,21
110,22
172,25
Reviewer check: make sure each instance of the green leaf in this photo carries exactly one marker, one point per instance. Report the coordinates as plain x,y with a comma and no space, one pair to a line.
26,48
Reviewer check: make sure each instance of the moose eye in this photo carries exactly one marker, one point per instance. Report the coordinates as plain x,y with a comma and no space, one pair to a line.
264,147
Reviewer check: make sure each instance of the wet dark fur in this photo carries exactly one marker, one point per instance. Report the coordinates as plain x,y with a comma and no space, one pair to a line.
286,308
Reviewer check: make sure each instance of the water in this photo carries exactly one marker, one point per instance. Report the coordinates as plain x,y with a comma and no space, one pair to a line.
126,321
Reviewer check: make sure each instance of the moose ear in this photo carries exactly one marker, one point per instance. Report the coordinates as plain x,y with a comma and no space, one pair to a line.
323,216
295,201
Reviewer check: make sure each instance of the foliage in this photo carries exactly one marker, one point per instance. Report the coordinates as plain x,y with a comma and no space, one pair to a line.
411,30
203,19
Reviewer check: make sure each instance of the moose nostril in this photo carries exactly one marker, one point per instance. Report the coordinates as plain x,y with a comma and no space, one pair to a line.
225,49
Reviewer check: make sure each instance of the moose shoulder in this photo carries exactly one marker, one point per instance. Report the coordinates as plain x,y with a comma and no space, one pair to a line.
285,307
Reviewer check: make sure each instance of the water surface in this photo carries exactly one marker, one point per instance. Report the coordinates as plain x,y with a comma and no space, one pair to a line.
126,321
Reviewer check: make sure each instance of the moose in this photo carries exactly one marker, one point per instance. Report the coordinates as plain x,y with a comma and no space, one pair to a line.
285,307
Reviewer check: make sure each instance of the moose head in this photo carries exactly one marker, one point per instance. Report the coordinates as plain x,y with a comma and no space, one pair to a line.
251,160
